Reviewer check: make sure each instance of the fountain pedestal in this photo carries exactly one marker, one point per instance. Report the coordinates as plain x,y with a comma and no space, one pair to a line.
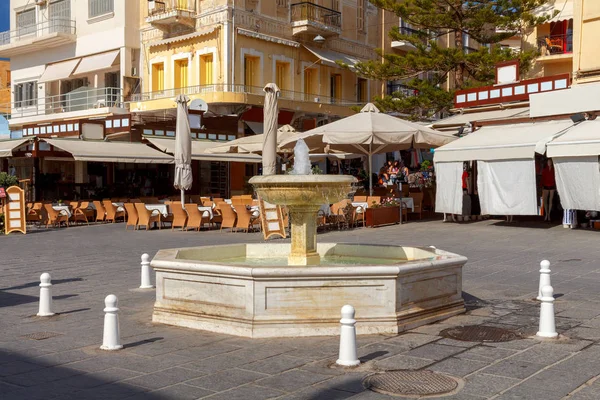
303,221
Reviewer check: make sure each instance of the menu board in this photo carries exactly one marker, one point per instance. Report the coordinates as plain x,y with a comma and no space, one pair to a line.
271,219
14,211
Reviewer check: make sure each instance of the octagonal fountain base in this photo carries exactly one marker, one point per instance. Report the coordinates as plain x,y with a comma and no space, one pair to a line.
249,290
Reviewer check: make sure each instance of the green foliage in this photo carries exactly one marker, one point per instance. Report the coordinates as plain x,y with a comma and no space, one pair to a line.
316,170
486,21
7,180
425,165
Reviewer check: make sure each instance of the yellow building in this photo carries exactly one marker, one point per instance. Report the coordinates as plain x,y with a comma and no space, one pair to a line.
225,51
4,87
586,57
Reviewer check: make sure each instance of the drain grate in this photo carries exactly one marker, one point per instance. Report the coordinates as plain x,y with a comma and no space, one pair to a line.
478,333
41,335
410,383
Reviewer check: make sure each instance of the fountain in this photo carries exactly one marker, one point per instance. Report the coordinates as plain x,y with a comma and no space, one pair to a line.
297,289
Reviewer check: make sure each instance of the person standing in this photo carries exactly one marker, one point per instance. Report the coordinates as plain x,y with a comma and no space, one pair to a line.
548,188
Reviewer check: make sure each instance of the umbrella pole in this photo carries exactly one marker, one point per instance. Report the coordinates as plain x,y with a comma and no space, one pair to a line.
183,199
370,171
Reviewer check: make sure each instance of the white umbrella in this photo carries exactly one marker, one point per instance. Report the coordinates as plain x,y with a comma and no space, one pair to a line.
183,148
253,144
370,132
270,116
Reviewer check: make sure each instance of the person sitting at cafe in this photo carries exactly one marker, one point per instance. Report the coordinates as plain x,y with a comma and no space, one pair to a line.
383,177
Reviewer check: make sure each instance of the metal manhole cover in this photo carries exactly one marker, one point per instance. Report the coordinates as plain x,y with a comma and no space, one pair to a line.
41,335
477,333
410,383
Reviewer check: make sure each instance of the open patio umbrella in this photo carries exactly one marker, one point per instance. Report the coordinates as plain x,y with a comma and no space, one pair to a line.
183,148
370,132
253,144
270,117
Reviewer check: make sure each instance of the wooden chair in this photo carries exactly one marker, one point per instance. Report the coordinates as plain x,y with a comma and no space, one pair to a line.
132,215
217,216
195,219
229,217
554,45
111,211
82,212
418,200
179,215
245,219
34,213
53,217
145,217
100,211
342,214
405,190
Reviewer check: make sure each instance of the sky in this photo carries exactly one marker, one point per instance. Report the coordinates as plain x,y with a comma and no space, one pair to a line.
4,15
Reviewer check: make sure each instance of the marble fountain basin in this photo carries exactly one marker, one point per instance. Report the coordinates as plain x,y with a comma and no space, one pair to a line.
250,290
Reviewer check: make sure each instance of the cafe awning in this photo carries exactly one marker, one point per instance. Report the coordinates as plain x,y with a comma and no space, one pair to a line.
96,62
579,141
463,119
199,153
7,146
60,70
329,57
503,142
100,151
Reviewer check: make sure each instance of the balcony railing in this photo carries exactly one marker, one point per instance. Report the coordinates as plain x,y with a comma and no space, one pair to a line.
415,33
401,88
164,6
555,44
38,30
306,11
76,100
255,90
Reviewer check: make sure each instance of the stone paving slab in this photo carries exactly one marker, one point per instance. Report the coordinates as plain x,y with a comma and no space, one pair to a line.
165,362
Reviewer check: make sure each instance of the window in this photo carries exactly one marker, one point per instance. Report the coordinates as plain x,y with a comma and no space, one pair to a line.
310,82
360,15
181,73
336,87
59,15
26,94
361,90
282,75
206,69
100,7
251,71
158,77
26,22
335,5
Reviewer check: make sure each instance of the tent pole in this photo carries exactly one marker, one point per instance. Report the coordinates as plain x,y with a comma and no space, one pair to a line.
370,171
183,199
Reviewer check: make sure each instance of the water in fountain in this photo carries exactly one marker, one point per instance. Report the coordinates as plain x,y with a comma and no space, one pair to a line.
301,159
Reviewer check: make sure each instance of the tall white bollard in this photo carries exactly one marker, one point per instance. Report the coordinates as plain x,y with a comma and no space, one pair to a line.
348,356
544,277
547,327
111,339
45,296
146,283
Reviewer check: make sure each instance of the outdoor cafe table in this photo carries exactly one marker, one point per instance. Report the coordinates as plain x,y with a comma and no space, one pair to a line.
64,210
160,208
408,202
206,212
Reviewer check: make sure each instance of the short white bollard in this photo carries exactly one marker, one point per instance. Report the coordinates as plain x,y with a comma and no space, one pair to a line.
45,296
146,283
348,356
111,339
544,277
547,327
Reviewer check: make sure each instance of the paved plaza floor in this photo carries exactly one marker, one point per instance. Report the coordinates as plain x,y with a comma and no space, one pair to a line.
164,362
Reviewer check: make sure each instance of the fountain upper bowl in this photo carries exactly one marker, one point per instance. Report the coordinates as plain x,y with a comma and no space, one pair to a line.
301,190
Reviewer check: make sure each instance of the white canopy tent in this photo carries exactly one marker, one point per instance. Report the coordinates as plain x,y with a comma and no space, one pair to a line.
505,156
575,155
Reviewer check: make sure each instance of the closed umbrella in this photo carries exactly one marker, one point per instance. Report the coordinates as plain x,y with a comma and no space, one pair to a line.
183,148
270,116
370,132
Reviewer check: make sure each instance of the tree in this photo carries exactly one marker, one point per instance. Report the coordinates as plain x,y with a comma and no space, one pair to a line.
431,65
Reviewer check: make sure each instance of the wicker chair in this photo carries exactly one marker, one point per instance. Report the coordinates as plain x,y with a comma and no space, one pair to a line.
132,215
100,211
53,217
229,217
245,219
145,217
180,217
111,211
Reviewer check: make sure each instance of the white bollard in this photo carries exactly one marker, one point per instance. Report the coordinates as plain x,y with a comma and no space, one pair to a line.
45,296
544,277
146,283
348,356
547,327
111,339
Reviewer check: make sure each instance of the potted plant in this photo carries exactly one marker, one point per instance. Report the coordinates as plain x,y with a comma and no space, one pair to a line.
385,213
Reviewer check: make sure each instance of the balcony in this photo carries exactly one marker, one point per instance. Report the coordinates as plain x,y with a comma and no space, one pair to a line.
405,91
309,20
172,15
405,45
77,103
36,37
555,47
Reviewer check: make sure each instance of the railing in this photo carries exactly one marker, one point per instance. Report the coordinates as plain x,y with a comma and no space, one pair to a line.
37,30
76,100
306,11
393,88
159,7
255,90
414,32
555,44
